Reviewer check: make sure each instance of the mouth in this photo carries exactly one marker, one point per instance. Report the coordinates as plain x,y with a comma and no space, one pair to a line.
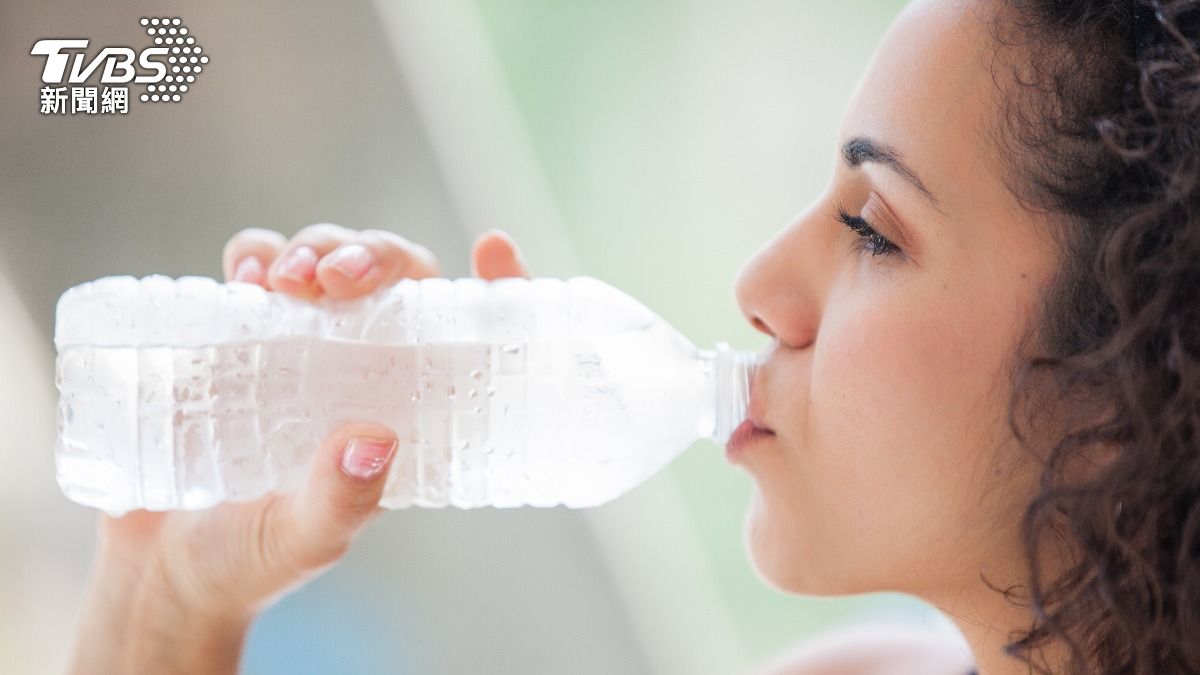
744,436
752,430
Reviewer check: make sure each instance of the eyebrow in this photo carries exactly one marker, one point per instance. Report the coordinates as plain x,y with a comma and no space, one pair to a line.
861,149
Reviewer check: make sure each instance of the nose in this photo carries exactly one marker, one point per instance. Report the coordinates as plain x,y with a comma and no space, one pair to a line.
761,326
780,288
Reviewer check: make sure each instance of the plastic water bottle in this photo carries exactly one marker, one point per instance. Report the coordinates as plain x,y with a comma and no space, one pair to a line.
178,394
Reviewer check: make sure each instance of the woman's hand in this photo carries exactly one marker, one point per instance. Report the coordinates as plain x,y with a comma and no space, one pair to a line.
341,263
175,592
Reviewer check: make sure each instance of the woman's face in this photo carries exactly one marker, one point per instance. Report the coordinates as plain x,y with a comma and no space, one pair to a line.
885,383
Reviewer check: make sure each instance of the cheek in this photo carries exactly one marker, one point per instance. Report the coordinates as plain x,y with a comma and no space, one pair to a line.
876,480
897,386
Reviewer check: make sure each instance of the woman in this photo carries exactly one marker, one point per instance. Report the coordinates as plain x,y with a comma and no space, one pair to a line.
982,383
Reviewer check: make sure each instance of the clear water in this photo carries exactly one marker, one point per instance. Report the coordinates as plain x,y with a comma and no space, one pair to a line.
581,410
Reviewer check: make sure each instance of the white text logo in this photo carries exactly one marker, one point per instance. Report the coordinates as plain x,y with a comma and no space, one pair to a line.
168,69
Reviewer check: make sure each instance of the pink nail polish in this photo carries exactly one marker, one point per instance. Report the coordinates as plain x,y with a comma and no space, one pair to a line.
249,270
352,261
365,456
300,264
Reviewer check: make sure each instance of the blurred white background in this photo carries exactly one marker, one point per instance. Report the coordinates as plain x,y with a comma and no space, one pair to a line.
654,144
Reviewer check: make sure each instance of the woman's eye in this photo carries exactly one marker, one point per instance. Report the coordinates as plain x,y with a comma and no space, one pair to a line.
869,240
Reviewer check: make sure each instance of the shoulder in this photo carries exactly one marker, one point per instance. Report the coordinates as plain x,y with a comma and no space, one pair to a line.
875,649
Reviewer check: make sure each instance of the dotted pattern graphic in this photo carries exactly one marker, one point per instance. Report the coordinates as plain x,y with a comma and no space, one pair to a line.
185,59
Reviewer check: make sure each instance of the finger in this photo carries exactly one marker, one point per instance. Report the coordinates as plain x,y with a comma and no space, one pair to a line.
295,270
314,527
495,255
249,253
373,258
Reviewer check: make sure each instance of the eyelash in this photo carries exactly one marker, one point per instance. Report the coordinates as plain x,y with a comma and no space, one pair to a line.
869,239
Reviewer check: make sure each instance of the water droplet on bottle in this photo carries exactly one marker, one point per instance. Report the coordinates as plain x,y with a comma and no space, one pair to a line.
478,410
464,445
475,374
587,359
450,391
504,410
415,395
472,392
491,391
511,349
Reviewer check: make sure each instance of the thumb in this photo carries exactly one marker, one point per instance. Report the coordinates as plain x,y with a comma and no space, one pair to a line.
312,528
245,555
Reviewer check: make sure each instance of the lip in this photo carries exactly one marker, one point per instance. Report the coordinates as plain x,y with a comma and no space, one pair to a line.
746,434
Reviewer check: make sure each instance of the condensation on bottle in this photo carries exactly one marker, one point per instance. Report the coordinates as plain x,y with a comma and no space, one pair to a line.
183,393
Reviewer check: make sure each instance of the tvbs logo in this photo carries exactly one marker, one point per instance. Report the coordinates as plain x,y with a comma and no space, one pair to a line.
167,69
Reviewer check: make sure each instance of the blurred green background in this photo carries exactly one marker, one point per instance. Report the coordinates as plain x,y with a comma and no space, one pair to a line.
653,144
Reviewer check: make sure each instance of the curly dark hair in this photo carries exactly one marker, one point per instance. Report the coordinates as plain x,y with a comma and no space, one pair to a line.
1100,130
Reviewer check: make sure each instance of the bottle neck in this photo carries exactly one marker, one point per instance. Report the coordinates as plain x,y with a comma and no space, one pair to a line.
730,373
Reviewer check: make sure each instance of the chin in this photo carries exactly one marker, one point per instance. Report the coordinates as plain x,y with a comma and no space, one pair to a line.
772,554
783,558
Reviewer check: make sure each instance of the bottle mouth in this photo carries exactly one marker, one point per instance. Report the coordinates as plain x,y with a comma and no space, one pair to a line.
734,370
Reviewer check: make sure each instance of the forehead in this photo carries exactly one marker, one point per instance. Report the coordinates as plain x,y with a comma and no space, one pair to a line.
929,93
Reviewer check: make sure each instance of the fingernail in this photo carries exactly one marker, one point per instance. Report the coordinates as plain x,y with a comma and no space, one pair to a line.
249,270
497,232
351,261
300,264
365,456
